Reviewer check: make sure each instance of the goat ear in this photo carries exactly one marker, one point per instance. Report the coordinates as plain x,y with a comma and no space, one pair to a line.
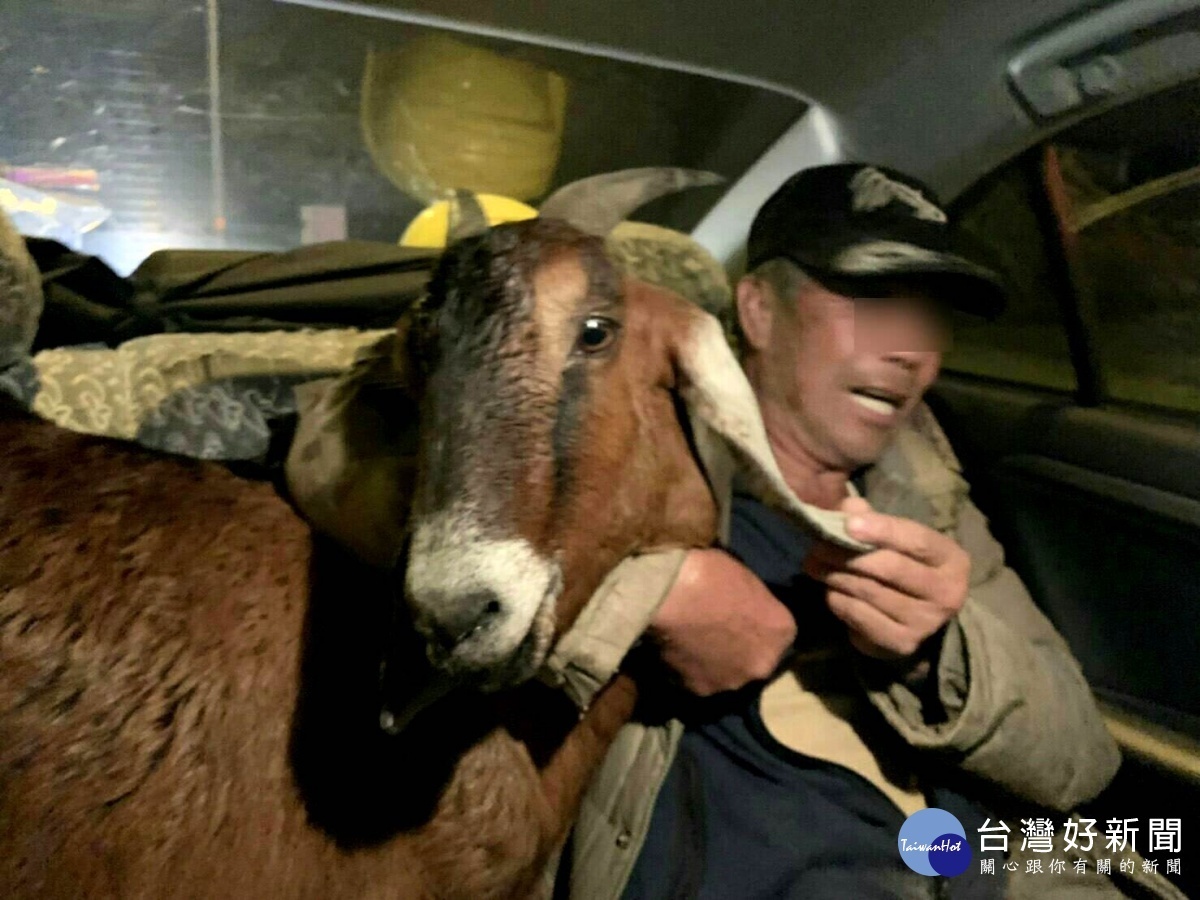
728,429
351,469
595,205
466,217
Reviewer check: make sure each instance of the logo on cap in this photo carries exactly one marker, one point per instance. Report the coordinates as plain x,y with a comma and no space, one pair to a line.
874,190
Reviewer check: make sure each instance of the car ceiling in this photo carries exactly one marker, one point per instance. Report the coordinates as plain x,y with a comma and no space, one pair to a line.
919,84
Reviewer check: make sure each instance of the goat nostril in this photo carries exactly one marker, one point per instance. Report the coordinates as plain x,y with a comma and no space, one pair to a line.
478,613
453,622
489,611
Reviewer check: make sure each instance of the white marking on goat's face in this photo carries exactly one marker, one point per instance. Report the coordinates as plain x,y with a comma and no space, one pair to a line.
560,291
485,606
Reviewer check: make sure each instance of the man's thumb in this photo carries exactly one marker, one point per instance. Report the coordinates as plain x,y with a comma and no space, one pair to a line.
855,505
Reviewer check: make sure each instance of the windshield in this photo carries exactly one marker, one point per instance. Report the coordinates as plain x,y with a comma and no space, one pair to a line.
132,125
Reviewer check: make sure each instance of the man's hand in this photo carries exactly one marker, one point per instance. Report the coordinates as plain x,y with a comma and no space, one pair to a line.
719,628
899,595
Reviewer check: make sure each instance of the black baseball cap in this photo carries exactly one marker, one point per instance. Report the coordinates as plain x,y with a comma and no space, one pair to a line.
855,224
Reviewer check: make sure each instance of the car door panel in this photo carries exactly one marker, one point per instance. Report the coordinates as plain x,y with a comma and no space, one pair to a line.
1099,512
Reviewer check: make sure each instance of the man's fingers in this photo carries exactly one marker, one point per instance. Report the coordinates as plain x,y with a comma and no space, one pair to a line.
872,632
889,567
895,606
903,535
893,597
895,570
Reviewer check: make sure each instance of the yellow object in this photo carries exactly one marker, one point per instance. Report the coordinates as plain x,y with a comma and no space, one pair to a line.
12,204
430,226
439,115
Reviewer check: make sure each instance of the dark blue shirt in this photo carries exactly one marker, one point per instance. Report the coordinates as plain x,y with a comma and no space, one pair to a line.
742,817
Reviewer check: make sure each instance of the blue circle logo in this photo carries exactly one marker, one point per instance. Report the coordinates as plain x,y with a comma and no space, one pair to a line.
933,842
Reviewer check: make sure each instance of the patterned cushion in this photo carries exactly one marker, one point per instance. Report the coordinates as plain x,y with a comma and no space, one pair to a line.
672,260
215,395
208,396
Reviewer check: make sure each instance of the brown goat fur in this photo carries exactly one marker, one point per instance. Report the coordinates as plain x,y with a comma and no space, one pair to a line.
152,636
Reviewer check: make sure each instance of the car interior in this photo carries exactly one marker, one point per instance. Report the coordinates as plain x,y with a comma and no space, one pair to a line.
1064,134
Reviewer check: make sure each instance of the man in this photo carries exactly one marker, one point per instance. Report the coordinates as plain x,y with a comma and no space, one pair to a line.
835,695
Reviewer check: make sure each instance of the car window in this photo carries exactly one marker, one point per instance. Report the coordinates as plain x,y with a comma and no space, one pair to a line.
1131,181
107,141
1028,342
1120,202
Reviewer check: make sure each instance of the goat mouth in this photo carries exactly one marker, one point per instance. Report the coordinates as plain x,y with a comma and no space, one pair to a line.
525,660
513,667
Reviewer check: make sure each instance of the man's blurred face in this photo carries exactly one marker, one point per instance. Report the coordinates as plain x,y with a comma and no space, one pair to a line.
850,370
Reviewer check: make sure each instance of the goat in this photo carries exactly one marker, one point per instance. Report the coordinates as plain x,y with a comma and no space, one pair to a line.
190,686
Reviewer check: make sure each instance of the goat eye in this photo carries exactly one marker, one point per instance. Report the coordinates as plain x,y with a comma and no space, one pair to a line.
596,334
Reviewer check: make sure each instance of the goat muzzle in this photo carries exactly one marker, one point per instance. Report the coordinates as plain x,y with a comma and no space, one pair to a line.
485,606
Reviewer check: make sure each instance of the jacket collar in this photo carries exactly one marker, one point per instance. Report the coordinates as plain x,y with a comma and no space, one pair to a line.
918,477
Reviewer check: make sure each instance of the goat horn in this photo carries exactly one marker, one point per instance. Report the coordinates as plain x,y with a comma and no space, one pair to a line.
598,203
467,217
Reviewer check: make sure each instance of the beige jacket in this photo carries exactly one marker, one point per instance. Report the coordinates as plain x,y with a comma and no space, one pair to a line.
1017,711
